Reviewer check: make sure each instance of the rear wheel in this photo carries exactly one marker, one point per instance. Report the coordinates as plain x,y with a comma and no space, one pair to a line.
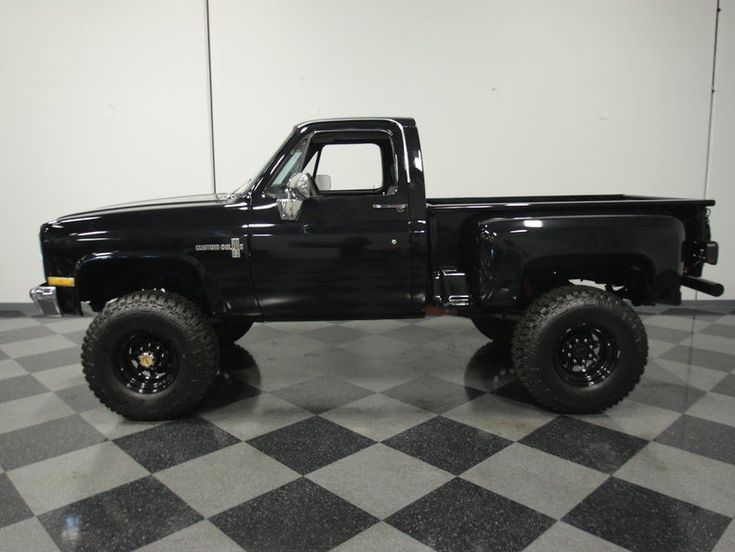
150,355
579,349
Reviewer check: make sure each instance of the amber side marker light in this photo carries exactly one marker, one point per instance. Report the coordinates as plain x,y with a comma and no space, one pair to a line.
60,281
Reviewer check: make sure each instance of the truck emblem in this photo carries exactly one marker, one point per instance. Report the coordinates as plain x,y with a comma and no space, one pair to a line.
234,246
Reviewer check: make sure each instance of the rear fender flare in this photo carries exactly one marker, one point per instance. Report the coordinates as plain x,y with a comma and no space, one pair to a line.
510,247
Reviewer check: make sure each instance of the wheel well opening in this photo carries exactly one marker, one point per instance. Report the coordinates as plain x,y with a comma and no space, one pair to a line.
628,276
101,281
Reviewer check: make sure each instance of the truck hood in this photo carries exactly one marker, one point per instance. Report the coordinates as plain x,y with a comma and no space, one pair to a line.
200,200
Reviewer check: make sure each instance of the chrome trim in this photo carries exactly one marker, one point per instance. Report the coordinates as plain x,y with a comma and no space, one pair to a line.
289,208
400,207
45,299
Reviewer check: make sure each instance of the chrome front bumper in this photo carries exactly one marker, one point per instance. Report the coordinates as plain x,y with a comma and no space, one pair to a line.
45,299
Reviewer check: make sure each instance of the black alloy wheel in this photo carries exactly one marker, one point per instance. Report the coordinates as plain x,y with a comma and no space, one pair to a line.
147,363
586,354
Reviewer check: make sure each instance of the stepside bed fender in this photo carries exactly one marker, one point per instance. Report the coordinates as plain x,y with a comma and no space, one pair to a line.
577,246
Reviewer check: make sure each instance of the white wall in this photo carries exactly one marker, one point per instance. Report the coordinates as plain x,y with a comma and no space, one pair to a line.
101,101
511,97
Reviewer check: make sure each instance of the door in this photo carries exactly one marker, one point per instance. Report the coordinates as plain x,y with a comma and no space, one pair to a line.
348,253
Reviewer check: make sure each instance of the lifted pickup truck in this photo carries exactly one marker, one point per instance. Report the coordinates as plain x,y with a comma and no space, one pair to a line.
337,226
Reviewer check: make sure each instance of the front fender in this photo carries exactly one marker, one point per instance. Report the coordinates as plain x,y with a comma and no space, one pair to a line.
97,269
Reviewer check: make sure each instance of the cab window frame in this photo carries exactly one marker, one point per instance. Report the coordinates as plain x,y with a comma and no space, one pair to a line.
376,136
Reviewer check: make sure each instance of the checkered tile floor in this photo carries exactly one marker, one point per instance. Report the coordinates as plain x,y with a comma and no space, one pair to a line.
381,435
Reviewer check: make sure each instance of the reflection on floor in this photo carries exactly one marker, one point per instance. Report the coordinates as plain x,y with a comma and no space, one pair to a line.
381,435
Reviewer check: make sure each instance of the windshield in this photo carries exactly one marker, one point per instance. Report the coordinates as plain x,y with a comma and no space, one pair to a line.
289,167
245,186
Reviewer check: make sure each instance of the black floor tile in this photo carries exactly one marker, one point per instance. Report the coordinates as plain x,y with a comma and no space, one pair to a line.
169,444
434,394
79,397
121,519
666,395
33,444
587,444
701,437
12,506
52,359
24,333
700,357
726,386
20,387
321,394
646,521
300,516
310,444
447,444
461,516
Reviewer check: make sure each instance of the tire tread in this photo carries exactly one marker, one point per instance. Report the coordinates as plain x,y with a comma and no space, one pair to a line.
169,306
536,317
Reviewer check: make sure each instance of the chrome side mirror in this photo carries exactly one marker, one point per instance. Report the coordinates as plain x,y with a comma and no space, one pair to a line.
299,188
302,184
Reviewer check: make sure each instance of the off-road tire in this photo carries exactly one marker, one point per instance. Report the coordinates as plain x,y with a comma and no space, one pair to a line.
535,343
230,331
498,330
175,318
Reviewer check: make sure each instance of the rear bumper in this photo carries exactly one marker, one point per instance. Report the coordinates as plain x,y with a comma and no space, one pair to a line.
705,286
46,300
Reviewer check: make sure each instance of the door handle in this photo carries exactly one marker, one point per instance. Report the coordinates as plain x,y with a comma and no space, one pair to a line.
400,207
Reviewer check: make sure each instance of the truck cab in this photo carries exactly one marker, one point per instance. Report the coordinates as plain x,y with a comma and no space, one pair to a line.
351,241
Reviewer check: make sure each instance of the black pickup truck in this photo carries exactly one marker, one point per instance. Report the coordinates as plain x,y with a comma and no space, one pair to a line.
336,225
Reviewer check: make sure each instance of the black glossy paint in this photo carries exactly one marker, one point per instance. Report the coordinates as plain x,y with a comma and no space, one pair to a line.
573,245
342,258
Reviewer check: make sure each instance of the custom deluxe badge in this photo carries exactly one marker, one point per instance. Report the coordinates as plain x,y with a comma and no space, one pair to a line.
234,246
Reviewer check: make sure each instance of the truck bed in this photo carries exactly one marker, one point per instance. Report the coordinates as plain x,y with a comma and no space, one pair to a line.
453,222
563,201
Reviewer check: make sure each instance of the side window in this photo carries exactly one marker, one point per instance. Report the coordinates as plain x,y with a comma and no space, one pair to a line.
351,167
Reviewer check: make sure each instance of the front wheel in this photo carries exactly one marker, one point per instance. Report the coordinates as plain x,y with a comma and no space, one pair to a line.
579,350
150,355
